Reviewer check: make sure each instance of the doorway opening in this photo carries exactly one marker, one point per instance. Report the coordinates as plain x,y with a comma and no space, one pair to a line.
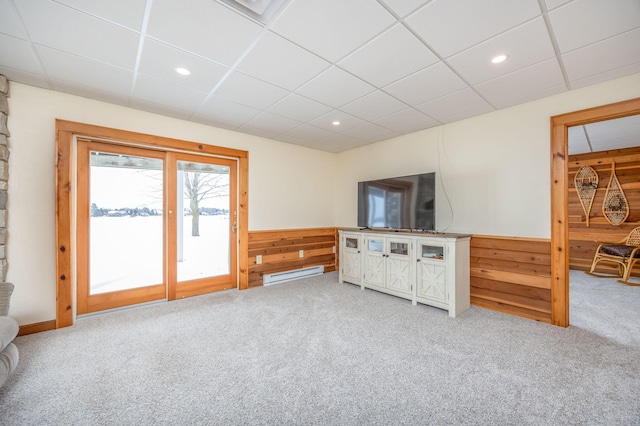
559,196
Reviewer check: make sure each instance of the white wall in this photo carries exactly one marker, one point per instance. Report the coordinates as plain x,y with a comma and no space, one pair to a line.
289,186
495,167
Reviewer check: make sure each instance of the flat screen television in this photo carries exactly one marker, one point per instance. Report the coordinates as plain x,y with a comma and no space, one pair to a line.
404,202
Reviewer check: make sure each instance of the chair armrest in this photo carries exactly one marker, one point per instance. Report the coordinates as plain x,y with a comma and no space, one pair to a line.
5,295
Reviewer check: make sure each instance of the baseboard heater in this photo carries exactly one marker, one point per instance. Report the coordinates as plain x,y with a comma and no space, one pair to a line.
296,274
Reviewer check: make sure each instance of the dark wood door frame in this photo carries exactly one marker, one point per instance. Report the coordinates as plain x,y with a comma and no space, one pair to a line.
559,196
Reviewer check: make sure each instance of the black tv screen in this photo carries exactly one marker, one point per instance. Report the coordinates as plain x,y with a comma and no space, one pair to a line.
404,202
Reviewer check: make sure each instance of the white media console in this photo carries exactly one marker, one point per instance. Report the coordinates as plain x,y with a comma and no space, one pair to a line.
432,269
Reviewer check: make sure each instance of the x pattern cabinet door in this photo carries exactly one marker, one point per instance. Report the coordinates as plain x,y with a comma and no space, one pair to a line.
399,274
431,281
352,264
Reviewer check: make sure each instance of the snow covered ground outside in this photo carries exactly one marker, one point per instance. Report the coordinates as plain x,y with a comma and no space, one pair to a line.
127,252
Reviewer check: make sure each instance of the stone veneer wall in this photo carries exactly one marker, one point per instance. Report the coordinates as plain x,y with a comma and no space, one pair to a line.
4,172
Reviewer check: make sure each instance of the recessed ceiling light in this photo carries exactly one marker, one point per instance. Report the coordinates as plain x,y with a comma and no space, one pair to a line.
336,123
183,71
498,59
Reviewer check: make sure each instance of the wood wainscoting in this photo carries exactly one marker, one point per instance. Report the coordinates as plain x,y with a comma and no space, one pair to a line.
280,251
512,275
583,240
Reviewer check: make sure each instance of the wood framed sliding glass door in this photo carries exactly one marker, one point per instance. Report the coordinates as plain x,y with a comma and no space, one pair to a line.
202,224
152,225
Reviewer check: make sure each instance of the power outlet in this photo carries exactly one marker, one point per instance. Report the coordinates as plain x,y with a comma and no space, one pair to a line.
258,259
301,253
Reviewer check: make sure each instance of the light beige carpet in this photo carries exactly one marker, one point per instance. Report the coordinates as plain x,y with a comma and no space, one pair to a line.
318,352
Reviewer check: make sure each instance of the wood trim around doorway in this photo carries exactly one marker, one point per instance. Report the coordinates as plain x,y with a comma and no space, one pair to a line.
66,131
559,196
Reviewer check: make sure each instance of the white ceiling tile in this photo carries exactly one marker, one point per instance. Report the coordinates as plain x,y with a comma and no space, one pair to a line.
18,54
614,134
90,92
196,118
335,88
159,92
404,7
124,12
249,91
431,83
222,110
579,148
449,26
290,139
534,82
407,121
85,72
606,76
371,132
14,74
456,106
583,22
53,25
271,122
203,27
331,31
613,53
159,60
525,45
347,121
282,63
577,140
552,4
263,133
340,143
161,109
299,108
374,106
381,61
307,131
10,23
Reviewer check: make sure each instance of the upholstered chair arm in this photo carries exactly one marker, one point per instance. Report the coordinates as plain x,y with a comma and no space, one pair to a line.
5,294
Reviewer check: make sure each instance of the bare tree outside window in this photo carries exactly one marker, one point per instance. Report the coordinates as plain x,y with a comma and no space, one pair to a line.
199,187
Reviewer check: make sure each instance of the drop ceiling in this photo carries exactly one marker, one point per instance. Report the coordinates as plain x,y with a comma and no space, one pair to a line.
605,135
380,68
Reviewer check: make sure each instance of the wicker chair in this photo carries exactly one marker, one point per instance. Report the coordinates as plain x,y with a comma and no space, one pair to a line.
625,254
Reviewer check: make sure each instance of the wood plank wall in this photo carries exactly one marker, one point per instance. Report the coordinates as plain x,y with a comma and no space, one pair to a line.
584,240
280,251
512,275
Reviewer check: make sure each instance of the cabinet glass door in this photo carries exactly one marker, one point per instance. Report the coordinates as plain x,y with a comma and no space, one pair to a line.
374,261
398,264
431,252
351,243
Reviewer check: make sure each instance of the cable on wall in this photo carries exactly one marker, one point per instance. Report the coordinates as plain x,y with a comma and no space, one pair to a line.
439,142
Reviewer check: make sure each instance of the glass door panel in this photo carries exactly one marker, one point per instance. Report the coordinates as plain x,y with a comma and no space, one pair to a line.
121,226
202,232
203,220
126,222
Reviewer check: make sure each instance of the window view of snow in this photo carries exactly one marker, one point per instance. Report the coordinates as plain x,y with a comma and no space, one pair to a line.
126,222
